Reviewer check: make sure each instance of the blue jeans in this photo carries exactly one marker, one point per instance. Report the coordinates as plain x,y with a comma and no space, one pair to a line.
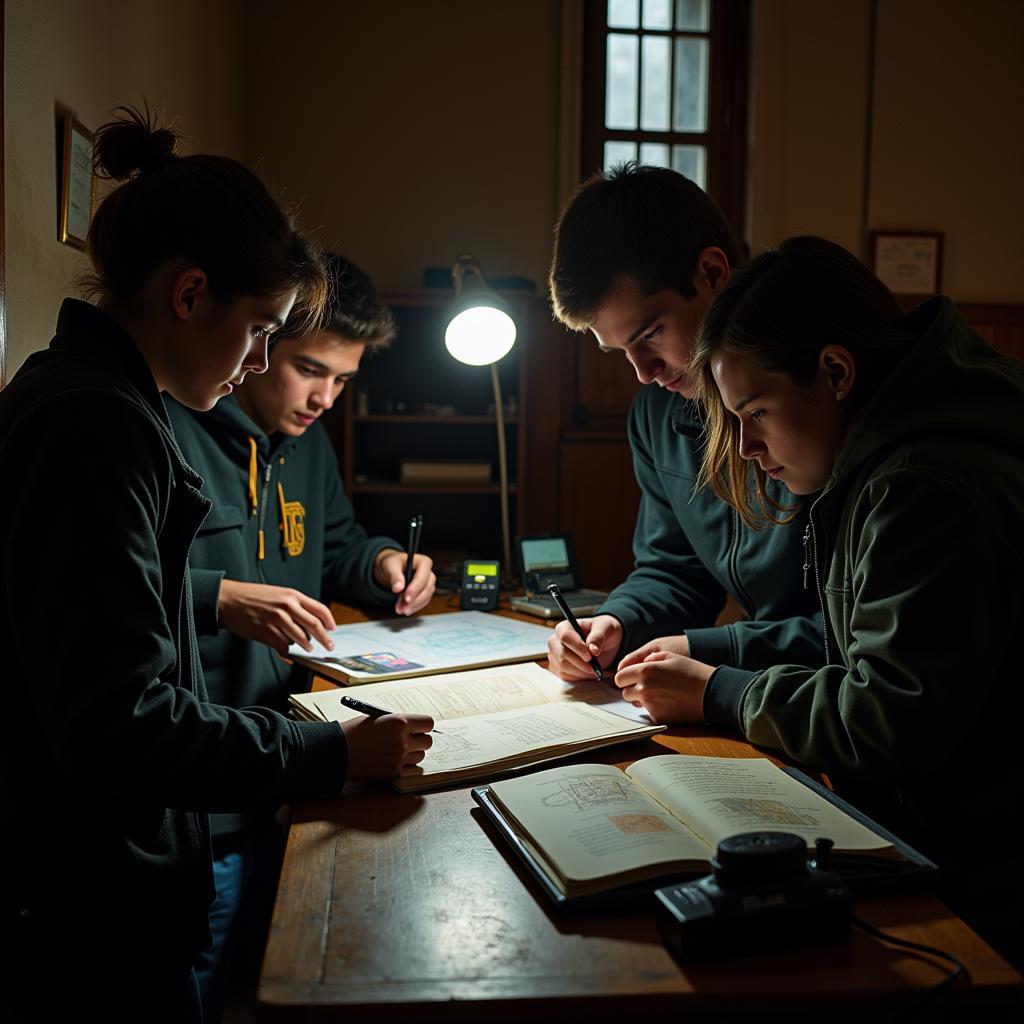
246,866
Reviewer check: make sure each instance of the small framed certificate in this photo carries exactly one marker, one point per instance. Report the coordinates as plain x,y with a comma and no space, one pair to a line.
77,183
908,262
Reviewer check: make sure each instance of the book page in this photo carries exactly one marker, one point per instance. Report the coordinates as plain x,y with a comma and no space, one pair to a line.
722,796
591,821
508,735
453,695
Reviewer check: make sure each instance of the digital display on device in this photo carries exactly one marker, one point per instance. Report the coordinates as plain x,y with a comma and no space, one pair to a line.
481,569
546,555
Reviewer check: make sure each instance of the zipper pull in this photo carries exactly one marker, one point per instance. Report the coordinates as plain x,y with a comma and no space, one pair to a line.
807,554
267,472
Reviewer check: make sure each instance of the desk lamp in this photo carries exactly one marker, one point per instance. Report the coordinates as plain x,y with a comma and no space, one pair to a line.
481,331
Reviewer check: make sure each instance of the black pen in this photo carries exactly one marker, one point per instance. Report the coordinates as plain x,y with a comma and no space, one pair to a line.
371,710
556,595
415,525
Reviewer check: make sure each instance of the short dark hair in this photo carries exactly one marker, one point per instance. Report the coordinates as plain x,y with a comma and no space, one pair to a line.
646,223
353,309
781,310
209,210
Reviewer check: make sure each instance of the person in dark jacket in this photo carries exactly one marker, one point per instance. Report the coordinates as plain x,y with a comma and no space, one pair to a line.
639,255
114,756
280,540
910,428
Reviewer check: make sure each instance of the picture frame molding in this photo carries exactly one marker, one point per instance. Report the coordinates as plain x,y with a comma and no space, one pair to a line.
73,183
924,280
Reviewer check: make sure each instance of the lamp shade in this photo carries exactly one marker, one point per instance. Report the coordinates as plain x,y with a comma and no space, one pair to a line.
480,329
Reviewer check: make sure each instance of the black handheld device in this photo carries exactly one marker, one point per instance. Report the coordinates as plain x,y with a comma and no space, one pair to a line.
481,585
764,894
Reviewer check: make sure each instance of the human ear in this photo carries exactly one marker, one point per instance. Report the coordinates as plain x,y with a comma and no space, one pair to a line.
187,290
839,369
712,269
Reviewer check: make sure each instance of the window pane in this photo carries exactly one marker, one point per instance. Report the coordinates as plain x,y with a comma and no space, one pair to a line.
691,161
623,13
620,95
658,14
654,154
618,153
691,15
655,71
690,102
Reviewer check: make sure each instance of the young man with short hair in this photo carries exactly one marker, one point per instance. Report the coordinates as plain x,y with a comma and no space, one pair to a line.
280,541
639,255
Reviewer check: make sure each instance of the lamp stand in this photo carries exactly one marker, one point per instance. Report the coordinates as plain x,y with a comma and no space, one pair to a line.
499,415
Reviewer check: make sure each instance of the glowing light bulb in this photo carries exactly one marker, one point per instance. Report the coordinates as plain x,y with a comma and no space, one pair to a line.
480,335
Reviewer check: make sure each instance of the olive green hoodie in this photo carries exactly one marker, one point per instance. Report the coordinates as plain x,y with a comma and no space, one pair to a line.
917,552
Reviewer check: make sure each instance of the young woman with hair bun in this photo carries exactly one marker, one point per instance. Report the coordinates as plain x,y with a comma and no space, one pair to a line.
114,757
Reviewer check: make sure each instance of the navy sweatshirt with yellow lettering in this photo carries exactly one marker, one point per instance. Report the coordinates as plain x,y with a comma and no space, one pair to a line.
280,516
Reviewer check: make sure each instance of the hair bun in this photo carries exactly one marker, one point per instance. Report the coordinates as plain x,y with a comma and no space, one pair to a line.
131,143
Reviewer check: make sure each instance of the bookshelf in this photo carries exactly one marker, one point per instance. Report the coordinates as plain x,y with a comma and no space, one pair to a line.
414,401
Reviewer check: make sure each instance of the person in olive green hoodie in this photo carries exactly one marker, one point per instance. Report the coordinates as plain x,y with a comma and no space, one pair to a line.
912,428
280,540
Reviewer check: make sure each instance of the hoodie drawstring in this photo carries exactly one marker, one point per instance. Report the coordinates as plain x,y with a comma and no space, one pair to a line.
254,501
253,470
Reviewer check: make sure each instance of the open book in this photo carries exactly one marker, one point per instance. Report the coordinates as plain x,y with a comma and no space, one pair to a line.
418,645
587,829
492,721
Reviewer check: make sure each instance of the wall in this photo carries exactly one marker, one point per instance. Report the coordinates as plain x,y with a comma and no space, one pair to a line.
935,148
409,131
806,120
947,150
185,57
408,138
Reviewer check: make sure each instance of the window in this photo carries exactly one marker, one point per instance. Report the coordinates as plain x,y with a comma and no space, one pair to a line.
665,84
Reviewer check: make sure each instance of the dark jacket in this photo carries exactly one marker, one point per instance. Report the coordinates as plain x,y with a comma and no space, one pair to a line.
917,551
288,488
693,549
112,757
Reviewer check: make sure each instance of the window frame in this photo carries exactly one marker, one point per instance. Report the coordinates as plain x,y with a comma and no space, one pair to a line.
728,73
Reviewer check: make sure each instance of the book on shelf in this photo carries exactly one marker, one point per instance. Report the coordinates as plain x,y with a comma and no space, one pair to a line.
420,645
591,832
492,721
444,471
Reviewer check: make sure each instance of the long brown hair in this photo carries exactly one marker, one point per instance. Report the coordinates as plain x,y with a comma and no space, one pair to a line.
780,311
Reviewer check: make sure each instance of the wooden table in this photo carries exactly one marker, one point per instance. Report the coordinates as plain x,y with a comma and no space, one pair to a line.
406,908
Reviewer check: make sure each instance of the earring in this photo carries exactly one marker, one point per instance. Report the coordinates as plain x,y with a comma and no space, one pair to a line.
840,395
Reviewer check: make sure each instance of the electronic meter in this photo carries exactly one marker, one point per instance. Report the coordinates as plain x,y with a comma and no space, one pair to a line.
481,584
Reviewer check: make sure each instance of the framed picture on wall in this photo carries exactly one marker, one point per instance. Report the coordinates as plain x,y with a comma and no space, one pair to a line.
908,262
77,183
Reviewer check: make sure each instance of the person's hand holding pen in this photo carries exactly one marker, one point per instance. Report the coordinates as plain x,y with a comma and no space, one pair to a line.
593,663
382,745
412,578
569,653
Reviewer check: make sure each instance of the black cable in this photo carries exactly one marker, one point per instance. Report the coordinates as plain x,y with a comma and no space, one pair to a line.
959,969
